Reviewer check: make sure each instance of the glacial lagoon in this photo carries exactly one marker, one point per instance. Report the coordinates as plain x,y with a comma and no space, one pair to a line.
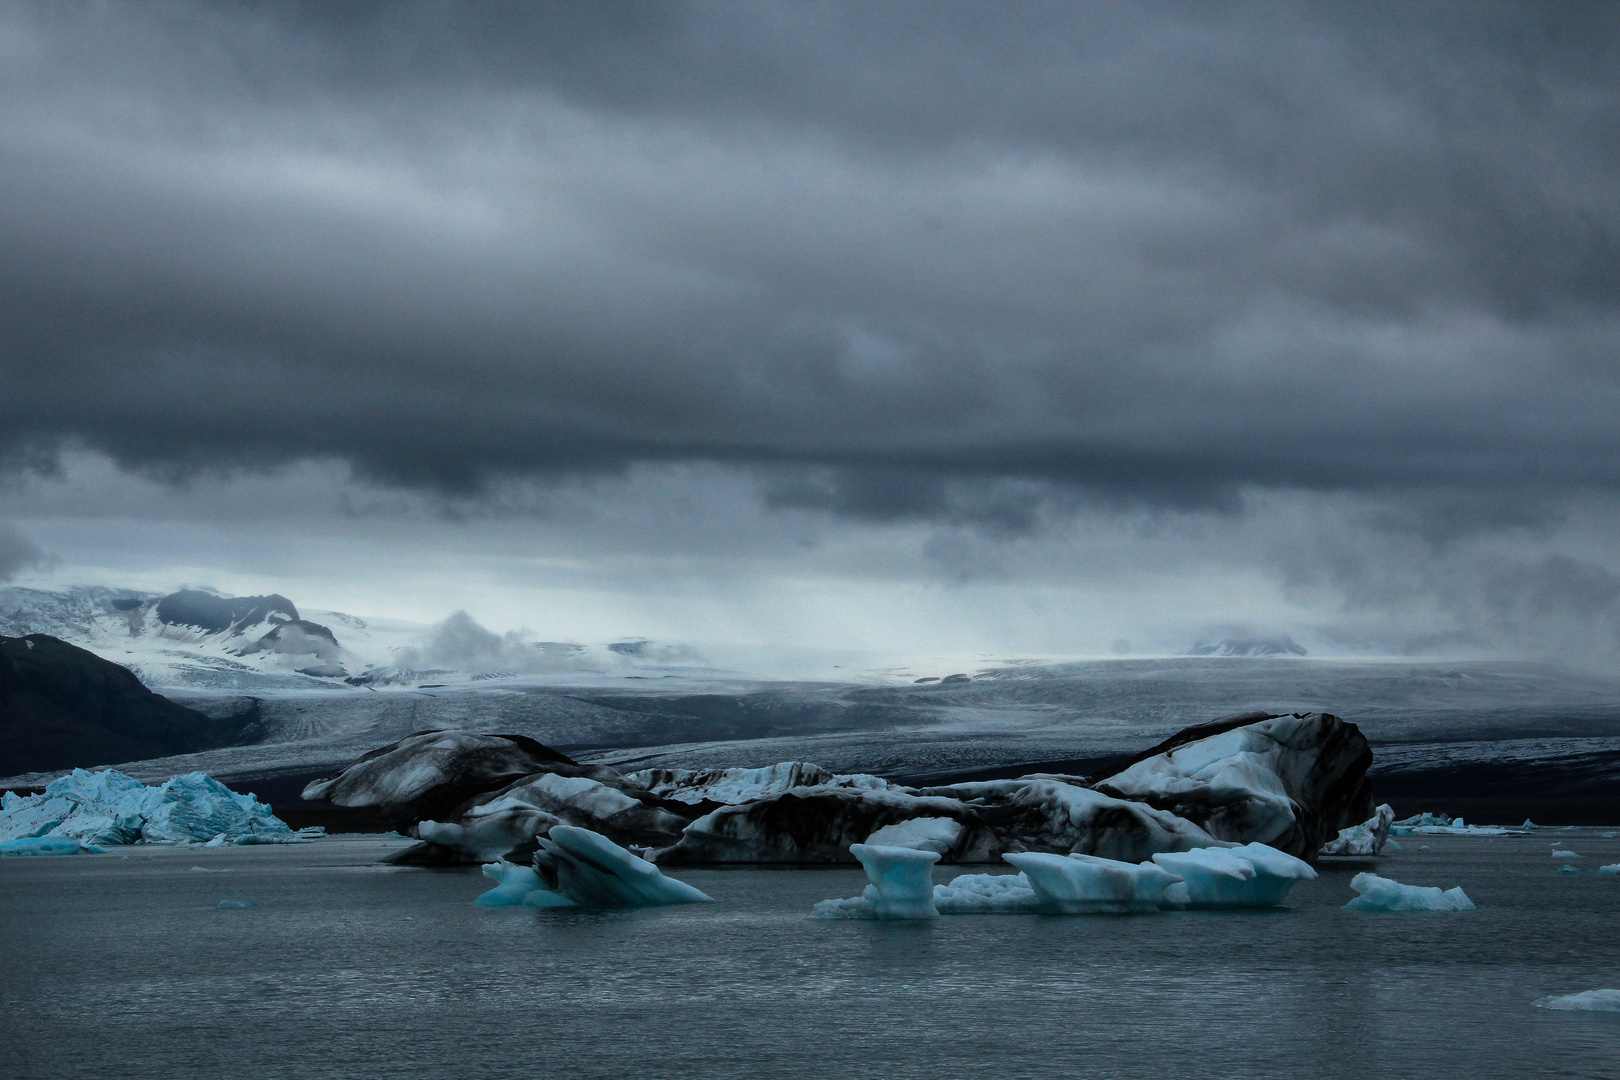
124,964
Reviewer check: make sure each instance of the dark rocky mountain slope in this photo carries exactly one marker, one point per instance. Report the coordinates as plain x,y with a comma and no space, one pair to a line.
63,707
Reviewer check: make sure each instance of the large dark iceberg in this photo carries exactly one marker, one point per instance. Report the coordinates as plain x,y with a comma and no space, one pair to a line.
1291,782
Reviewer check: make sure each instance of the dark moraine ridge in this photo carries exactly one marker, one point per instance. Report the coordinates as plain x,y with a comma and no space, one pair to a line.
63,707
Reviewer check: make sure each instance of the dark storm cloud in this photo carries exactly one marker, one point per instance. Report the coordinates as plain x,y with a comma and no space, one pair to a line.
1156,252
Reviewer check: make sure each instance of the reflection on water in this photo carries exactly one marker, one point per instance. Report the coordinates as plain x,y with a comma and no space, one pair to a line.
123,965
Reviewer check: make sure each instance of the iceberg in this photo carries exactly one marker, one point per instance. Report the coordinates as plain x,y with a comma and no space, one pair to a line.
986,894
1086,884
1383,894
902,886
1565,853
730,787
489,831
1368,838
593,871
818,824
579,868
232,905
1288,781
44,845
513,884
1061,817
1253,875
1427,824
604,807
934,834
1612,868
110,808
1585,1001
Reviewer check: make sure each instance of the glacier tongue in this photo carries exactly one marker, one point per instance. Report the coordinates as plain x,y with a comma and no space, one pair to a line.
110,808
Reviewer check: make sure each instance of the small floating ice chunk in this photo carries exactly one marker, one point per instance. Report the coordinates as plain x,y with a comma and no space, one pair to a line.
1568,869
1084,884
986,894
1612,868
231,905
1585,1001
513,885
902,885
1565,853
1383,894
44,845
593,871
902,880
1253,875
1368,838
211,870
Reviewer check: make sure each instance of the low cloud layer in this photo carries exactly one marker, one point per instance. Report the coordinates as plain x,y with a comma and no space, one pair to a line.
17,553
1299,318
460,643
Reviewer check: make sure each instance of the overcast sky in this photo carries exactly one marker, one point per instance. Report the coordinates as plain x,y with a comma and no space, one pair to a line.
1002,329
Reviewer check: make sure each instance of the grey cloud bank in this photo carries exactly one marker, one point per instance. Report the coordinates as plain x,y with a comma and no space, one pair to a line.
968,293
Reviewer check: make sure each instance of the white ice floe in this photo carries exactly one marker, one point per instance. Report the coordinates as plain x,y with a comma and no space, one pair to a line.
1383,894
1368,838
1086,884
935,834
1427,824
1564,853
1568,869
734,786
111,808
1253,875
1612,868
1585,1001
589,870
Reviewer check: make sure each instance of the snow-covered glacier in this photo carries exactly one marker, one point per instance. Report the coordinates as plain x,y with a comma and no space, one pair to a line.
109,808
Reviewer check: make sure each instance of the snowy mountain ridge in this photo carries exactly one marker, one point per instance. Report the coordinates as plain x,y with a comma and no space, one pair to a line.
206,643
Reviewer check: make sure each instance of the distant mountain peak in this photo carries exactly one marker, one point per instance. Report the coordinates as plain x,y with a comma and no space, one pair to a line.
223,614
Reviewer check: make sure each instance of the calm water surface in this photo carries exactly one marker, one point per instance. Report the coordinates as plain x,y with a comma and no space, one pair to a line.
122,966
